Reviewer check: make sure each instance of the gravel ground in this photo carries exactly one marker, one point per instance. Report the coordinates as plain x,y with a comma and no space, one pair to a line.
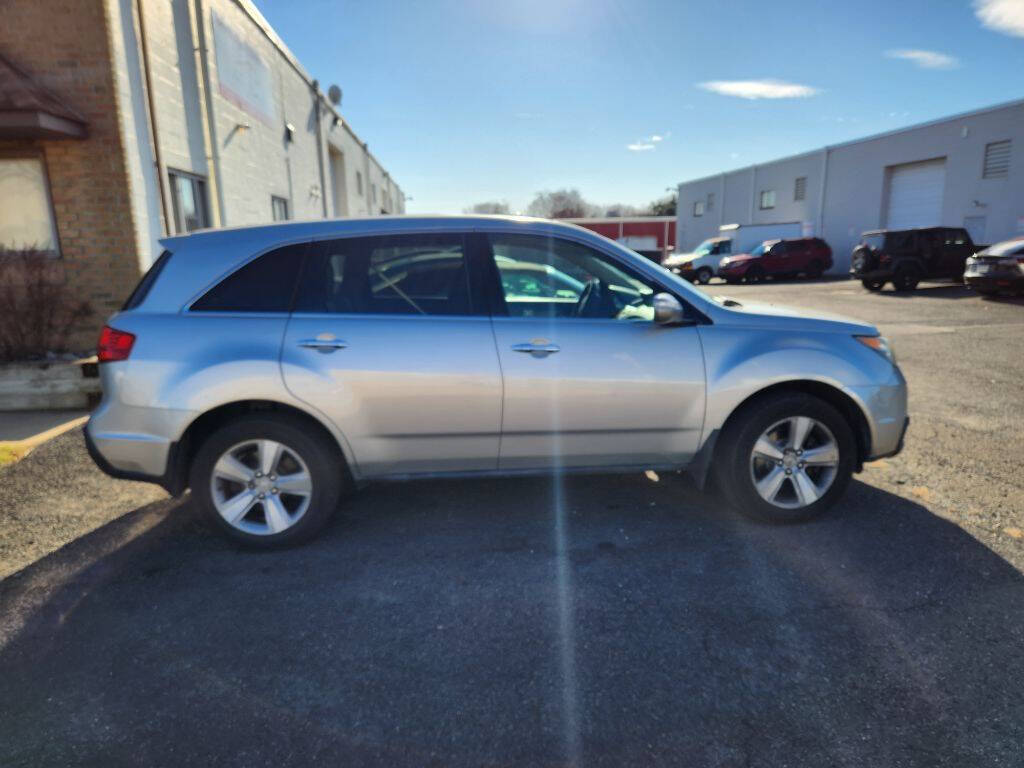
601,620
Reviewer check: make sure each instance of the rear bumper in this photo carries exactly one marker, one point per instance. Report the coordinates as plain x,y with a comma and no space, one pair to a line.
163,479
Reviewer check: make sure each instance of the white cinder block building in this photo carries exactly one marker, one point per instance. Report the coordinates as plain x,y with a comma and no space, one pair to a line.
966,170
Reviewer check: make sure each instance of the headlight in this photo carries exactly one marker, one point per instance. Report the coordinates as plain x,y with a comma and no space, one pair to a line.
880,344
723,262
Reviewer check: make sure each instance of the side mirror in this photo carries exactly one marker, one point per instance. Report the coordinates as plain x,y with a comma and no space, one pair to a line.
668,310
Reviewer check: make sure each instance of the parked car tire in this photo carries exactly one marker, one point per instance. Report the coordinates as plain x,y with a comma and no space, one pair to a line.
755,275
873,285
785,457
704,275
987,292
732,280
906,277
266,480
815,270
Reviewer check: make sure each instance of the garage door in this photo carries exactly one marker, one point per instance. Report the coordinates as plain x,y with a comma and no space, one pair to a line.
915,194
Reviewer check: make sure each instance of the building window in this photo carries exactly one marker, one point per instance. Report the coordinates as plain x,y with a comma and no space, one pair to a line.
26,217
997,160
373,194
767,199
359,183
711,202
188,195
279,208
800,188
698,208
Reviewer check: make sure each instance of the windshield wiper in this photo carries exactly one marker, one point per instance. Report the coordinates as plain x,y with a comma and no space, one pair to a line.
725,301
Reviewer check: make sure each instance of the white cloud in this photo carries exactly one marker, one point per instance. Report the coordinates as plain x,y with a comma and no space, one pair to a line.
759,89
648,142
657,138
1006,16
640,146
925,59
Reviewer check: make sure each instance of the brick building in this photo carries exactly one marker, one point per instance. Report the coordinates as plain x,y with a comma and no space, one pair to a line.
122,121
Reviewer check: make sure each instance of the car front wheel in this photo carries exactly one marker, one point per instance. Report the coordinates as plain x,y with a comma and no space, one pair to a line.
266,481
873,285
785,458
703,275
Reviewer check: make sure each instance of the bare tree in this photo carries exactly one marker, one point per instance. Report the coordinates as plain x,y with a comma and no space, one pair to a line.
665,206
491,206
562,204
621,210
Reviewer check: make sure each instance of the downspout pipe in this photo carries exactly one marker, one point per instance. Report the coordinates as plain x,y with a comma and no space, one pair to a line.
151,119
315,88
198,24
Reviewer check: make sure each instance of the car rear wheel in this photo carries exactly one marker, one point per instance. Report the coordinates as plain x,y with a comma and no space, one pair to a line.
785,458
265,481
873,285
906,277
704,275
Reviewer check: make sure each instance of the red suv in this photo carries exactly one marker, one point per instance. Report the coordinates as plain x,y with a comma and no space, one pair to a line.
779,258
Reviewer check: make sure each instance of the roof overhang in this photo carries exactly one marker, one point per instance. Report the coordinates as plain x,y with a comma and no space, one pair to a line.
37,124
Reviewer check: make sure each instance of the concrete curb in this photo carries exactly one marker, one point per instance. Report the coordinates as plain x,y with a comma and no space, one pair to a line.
21,448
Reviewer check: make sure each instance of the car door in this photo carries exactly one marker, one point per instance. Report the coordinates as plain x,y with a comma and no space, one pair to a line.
600,385
774,260
385,340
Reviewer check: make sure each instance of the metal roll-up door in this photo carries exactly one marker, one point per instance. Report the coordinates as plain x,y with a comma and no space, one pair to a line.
915,194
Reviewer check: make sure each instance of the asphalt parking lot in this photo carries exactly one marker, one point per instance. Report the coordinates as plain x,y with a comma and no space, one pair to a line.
613,620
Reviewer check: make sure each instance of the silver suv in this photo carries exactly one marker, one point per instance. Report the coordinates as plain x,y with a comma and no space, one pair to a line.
272,368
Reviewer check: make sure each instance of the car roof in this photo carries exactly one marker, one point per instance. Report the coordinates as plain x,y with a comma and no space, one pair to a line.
905,229
296,231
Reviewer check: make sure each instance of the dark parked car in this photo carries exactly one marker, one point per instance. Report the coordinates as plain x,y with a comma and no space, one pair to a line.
810,256
999,267
905,257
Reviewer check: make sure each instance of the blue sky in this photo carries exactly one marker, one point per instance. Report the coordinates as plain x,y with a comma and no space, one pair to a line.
498,99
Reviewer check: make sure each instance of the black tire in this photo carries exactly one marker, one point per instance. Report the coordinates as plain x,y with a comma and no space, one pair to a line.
736,443
732,280
906,277
321,456
873,285
704,275
987,291
815,270
755,275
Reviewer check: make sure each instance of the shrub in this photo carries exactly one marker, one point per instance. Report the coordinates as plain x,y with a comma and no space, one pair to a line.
37,308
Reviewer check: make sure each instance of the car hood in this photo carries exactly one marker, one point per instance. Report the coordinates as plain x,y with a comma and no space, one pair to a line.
792,318
677,258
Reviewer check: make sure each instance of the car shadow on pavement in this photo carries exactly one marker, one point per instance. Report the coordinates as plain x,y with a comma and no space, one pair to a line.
601,620
947,291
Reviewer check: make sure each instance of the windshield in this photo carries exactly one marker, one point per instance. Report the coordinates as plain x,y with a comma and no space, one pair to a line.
1007,248
705,248
759,251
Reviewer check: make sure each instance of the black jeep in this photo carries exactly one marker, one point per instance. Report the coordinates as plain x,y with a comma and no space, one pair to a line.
904,257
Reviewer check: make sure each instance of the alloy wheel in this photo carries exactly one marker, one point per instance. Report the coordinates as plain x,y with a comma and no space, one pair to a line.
794,462
261,487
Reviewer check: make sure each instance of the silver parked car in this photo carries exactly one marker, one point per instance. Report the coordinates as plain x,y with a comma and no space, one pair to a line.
272,368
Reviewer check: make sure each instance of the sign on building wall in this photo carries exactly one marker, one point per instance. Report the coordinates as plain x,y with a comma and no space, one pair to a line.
243,78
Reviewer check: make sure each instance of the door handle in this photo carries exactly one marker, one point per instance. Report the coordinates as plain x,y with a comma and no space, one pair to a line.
323,345
537,350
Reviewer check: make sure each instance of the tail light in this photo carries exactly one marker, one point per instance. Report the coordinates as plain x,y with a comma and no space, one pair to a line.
114,345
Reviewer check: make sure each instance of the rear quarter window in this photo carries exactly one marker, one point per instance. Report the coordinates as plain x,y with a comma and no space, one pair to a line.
265,284
146,283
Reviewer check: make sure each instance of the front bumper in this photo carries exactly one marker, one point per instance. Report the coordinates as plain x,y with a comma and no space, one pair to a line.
995,282
737,270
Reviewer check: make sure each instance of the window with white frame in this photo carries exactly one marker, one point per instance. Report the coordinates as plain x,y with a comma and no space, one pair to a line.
26,215
698,208
767,199
188,198
279,208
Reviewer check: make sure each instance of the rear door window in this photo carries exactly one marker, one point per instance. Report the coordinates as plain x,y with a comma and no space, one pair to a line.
265,284
396,275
